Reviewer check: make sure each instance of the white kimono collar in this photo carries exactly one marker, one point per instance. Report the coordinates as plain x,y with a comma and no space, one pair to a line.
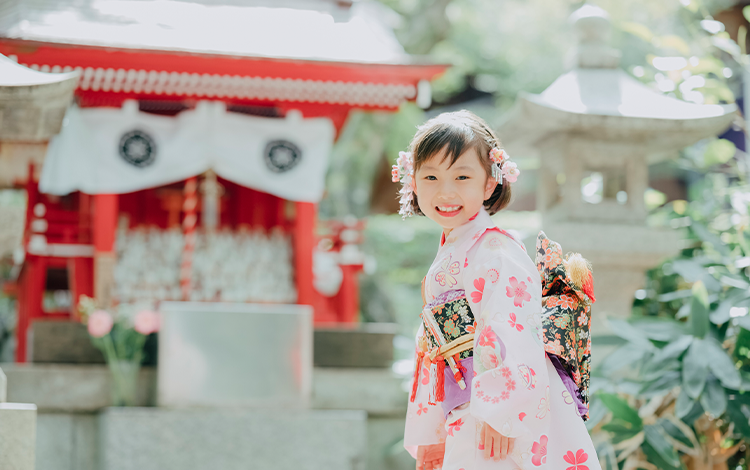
471,230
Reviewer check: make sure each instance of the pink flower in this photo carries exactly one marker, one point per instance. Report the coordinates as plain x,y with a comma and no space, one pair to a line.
517,290
498,155
539,451
422,409
476,296
100,323
405,161
576,460
489,359
513,323
395,177
487,337
146,322
425,376
511,172
510,384
505,395
455,426
506,372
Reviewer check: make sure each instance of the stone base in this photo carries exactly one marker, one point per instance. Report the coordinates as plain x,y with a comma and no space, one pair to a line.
70,397
17,436
358,345
68,387
65,342
68,342
159,439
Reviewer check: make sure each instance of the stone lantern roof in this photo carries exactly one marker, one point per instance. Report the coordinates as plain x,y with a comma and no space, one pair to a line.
32,104
597,98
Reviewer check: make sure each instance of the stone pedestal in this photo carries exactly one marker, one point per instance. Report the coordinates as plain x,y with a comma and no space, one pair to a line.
65,342
159,439
3,387
70,399
17,436
355,345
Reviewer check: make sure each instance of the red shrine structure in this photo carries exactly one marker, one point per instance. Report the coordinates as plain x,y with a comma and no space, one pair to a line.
264,61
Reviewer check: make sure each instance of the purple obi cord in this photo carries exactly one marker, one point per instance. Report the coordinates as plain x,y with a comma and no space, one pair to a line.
569,383
454,396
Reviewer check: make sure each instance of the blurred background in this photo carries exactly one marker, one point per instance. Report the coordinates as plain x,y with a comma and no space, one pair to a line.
201,260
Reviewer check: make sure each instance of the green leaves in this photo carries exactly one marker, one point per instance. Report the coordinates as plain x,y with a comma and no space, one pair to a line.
721,364
695,369
713,399
699,309
718,152
684,404
654,437
625,422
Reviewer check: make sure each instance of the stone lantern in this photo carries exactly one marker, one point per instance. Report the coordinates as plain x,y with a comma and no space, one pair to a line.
32,107
595,131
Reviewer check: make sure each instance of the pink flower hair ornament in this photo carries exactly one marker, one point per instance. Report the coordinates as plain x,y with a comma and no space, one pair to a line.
502,167
403,171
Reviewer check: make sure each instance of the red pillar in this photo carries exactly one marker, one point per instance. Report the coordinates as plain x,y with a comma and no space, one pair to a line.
304,243
105,226
349,293
30,292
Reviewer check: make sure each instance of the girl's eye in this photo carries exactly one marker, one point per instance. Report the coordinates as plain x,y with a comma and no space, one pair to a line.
430,177
463,177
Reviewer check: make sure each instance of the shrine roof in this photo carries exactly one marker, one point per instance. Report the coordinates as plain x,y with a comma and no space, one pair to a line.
313,30
15,75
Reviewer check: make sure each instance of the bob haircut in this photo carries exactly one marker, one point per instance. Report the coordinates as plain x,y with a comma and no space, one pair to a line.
459,132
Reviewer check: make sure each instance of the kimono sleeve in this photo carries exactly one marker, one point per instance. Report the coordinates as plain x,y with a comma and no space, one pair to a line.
425,423
510,390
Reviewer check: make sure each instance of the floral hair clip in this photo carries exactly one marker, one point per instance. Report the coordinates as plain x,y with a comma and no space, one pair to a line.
404,171
502,166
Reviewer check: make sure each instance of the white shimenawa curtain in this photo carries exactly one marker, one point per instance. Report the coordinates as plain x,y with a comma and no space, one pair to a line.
115,151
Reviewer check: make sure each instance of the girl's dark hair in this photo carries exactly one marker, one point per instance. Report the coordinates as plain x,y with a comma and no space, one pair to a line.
459,132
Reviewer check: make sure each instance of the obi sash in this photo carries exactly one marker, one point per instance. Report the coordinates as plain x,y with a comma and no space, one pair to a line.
449,326
567,295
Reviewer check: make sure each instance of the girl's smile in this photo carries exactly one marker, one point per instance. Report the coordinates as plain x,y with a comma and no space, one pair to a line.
449,211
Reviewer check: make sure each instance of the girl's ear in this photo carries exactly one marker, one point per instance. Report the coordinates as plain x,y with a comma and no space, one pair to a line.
489,187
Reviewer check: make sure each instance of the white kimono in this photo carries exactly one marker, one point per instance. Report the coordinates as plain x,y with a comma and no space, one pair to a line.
515,388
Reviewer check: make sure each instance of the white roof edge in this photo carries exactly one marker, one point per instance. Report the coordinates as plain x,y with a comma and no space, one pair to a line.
13,74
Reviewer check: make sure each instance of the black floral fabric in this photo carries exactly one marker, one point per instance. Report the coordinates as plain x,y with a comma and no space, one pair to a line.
454,318
566,315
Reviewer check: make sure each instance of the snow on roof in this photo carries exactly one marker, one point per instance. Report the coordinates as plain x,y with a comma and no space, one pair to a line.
360,33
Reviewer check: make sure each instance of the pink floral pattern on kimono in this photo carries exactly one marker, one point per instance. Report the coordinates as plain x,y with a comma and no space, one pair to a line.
515,389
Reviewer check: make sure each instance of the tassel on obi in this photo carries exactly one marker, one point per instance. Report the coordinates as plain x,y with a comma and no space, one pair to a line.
415,384
439,392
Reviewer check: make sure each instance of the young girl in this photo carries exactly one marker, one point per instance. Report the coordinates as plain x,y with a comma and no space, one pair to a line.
502,404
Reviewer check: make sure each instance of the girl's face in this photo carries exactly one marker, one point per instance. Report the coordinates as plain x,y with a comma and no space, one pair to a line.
451,195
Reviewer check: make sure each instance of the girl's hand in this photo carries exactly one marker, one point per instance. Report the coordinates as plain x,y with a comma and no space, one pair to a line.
495,444
430,457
